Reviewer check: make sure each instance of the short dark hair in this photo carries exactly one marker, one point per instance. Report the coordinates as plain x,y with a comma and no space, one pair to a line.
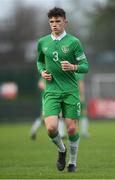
56,12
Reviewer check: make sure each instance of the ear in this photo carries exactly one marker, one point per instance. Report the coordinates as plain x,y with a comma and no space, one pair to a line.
66,21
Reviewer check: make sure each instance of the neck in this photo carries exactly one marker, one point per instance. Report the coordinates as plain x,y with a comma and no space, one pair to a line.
57,34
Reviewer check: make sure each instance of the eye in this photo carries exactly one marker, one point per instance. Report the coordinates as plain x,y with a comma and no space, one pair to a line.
58,21
51,21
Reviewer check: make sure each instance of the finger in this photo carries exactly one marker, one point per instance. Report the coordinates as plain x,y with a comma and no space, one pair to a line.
64,62
49,78
65,67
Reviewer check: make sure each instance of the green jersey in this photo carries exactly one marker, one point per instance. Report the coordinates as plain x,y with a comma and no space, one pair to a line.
51,53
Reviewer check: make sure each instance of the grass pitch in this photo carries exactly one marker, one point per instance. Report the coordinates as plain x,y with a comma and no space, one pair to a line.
22,158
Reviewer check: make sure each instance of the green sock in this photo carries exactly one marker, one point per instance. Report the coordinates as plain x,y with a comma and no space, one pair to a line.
74,137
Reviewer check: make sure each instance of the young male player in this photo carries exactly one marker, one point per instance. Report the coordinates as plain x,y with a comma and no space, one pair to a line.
60,55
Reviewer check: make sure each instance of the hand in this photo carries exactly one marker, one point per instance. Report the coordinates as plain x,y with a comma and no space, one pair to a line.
66,66
46,75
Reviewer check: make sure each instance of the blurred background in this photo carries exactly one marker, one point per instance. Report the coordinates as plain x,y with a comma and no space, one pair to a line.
23,22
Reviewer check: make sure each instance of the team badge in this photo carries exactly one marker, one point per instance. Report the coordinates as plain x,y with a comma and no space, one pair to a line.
65,49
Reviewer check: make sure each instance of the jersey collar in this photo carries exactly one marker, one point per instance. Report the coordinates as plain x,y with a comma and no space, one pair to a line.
59,37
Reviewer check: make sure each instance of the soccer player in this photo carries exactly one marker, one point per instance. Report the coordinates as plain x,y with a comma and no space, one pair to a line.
84,118
60,56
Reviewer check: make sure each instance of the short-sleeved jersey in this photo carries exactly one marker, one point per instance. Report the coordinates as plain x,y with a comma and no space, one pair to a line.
52,52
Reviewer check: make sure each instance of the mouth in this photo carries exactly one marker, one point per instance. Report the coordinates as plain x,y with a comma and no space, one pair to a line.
55,29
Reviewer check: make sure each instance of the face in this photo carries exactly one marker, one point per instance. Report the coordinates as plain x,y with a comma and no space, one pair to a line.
57,25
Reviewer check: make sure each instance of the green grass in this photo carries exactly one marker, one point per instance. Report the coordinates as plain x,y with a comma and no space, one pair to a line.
22,158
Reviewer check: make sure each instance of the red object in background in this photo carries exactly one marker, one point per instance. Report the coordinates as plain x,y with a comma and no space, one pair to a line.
101,108
9,90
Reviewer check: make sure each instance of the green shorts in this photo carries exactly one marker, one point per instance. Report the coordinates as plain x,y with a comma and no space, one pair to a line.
69,104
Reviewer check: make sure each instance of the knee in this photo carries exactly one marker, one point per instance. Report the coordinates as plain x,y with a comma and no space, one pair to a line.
71,130
51,130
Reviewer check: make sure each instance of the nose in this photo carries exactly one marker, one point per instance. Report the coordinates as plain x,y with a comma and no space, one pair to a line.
54,24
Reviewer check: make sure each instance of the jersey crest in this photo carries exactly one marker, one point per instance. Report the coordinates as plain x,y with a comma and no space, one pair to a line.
65,49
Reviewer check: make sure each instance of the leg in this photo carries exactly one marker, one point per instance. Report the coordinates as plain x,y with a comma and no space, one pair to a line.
35,126
72,129
84,122
84,127
51,124
61,128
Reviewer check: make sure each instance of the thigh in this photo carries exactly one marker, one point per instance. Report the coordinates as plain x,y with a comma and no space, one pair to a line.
51,104
71,106
51,122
